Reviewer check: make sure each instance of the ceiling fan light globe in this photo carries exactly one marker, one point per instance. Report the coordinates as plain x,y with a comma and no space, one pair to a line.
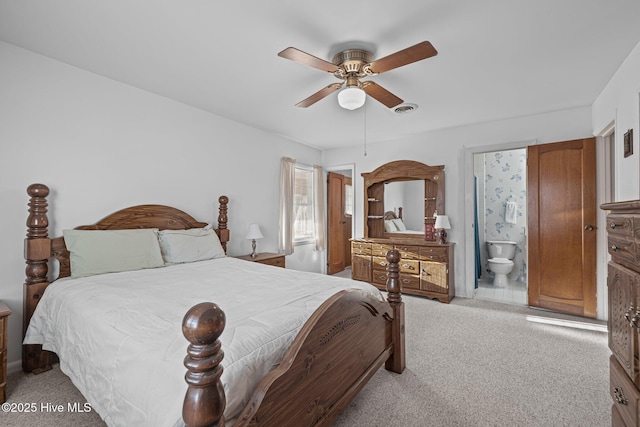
351,98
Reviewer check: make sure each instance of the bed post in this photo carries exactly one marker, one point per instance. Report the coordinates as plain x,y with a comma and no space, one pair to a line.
37,250
223,232
204,401
396,362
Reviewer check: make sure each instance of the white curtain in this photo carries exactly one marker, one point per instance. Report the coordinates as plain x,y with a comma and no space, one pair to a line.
318,202
287,183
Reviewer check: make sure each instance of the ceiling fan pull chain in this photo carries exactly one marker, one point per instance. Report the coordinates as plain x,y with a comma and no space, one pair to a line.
365,129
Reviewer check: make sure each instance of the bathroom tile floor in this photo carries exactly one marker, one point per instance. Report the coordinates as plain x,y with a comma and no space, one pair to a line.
514,293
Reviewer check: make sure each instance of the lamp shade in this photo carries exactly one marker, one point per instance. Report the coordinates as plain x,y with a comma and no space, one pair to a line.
442,222
351,98
253,232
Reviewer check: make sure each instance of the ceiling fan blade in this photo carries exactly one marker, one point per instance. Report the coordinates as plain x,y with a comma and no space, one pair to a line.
406,56
326,91
304,58
380,94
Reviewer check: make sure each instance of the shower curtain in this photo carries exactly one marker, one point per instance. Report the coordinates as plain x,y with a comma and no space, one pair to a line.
475,229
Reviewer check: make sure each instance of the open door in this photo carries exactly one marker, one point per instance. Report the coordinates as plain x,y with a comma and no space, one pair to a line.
561,224
339,220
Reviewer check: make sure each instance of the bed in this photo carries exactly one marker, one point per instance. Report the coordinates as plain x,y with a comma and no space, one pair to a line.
394,224
341,331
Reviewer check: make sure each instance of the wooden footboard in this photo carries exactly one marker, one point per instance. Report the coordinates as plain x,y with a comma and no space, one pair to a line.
340,347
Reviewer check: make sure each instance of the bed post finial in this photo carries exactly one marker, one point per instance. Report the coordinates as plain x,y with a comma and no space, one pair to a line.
393,277
222,221
37,250
204,401
397,361
37,246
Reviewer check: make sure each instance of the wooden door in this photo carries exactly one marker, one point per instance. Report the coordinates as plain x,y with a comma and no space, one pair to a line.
561,192
338,224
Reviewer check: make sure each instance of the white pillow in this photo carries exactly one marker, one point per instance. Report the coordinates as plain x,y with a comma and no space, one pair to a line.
399,224
196,244
389,226
110,251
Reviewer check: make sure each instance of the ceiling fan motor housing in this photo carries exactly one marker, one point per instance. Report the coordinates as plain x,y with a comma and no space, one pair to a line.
351,62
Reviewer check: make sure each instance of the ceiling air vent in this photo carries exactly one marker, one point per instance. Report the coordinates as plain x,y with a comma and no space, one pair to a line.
405,108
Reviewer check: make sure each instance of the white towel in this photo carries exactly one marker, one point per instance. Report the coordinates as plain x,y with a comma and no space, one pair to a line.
510,212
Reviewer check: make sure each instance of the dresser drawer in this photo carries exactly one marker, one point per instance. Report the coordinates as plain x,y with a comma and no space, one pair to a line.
277,262
380,250
624,394
379,277
380,263
616,418
623,250
361,248
621,225
434,253
406,266
409,266
408,281
409,252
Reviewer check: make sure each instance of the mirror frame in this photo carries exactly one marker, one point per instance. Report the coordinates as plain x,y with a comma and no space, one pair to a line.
401,170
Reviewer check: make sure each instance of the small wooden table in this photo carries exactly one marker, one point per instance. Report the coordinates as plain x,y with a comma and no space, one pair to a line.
4,314
266,258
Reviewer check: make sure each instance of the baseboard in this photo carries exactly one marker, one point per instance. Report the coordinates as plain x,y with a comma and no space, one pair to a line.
14,366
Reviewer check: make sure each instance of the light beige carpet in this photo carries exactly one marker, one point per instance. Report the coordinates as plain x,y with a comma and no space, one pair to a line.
469,363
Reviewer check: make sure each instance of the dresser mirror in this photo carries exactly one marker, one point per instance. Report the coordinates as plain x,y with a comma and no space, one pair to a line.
404,200
401,197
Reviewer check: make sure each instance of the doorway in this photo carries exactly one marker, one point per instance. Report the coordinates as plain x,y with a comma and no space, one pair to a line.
501,225
545,294
340,209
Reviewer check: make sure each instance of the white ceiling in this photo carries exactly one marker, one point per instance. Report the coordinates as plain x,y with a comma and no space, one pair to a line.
497,58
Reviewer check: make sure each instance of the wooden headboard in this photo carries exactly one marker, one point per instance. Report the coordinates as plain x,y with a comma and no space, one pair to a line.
392,215
142,216
39,248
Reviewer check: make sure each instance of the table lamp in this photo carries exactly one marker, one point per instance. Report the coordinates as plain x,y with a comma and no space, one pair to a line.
253,233
442,224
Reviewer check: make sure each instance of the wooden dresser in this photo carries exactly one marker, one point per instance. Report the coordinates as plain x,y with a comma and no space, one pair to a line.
623,242
426,268
4,314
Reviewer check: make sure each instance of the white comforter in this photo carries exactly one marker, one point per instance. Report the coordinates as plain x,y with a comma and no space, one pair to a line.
120,340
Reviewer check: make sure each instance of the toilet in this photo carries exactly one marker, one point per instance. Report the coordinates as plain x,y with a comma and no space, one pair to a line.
501,255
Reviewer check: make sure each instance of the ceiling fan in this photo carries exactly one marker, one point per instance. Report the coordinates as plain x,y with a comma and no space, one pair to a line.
353,64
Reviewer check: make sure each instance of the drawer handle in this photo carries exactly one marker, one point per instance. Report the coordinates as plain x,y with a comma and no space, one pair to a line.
408,266
614,248
382,263
620,396
627,315
612,225
406,281
382,277
426,273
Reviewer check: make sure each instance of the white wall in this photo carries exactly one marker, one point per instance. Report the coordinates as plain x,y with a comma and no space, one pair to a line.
448,147
620,102
101,146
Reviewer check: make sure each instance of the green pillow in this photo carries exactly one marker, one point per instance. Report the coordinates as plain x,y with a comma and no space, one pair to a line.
110,251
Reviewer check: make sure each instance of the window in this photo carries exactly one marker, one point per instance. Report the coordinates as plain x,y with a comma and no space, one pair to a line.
348,200
303,226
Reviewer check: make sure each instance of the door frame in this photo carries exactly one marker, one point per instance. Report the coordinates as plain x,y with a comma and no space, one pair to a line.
469,239
602,254
338,168
605,173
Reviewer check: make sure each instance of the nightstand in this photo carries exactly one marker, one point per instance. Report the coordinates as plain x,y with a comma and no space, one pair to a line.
266,258
4,314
